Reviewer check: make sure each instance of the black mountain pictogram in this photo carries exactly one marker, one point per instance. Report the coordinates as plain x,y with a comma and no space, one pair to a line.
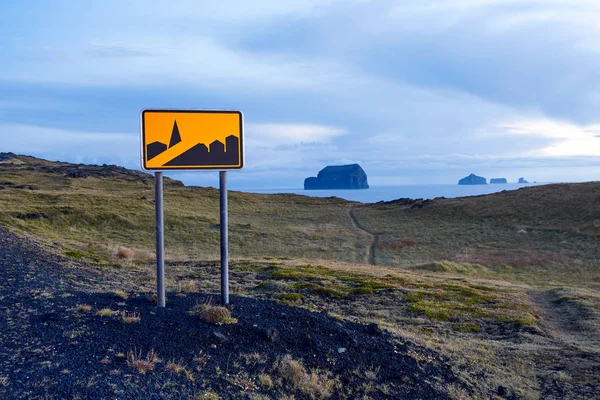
154,149
175,136
219,154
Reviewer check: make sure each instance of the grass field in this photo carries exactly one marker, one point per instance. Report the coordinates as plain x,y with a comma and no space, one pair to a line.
87,214
507,286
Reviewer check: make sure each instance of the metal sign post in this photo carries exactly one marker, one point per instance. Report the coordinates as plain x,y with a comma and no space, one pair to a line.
191,140
224,238
160,239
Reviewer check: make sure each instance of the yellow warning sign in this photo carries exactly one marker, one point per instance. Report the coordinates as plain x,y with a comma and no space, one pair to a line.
192,139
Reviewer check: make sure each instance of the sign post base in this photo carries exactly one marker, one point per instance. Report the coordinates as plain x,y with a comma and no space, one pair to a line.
224,238
160,239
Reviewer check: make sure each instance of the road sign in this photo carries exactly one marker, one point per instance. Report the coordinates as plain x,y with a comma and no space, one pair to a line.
192,140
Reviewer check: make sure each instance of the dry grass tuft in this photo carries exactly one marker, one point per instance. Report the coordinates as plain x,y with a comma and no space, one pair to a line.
187,287
244,382
214,314
142,365
84,308
254,358
201,359
131,317
265,381
372,373
124,253
173,366
179,368
314,385
105,312
121,295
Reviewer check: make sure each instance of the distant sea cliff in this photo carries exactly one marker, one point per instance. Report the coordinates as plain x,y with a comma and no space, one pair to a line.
350,176
473,180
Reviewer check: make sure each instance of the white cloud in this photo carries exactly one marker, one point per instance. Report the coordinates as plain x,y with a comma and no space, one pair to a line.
549,128
69,145
568,139
190,61
273,135
575,147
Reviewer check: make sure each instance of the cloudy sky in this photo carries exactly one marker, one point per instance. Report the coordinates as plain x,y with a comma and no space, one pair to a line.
416,91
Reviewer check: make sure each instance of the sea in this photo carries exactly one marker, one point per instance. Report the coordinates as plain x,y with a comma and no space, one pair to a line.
387,193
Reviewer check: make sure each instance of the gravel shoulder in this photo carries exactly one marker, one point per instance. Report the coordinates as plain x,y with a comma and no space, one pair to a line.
50,348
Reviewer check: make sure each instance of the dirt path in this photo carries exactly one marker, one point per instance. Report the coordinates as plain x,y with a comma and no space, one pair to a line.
562,322
553,323
568,350
371,254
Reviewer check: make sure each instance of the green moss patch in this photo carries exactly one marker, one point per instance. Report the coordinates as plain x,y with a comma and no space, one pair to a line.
76,254
462,304
328,282
291,297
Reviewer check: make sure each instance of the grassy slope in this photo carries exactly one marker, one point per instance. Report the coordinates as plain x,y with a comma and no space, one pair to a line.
513,234
506,285
119,210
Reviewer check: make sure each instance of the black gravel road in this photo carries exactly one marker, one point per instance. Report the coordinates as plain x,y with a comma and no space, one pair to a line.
49,348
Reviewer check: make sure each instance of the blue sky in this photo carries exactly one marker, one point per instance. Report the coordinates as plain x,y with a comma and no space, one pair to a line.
416,91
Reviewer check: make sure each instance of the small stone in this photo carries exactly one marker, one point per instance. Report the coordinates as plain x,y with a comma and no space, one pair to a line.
219,336
502,391
341,350
373,329
49,317
270,334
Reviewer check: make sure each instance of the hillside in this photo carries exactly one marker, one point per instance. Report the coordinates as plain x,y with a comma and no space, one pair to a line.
502,289
92,209
110,206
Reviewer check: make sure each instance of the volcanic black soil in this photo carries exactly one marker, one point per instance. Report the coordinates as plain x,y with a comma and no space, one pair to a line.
49,348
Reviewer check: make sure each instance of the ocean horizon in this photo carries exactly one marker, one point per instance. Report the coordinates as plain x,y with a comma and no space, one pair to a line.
388,193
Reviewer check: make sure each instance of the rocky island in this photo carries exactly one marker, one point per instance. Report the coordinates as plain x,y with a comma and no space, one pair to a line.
473,180
338,177
498,180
